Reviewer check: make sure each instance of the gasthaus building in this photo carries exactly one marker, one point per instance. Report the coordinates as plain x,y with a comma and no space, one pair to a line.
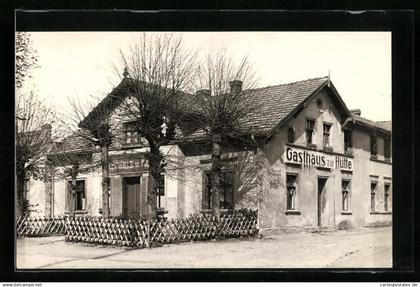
310,163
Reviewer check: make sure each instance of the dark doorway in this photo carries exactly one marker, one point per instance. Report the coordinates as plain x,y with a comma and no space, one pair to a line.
131,197
321,204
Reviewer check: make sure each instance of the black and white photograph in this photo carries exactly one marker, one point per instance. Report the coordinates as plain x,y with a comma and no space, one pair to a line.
150,149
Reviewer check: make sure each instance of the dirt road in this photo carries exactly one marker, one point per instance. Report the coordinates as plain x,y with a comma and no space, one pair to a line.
368,247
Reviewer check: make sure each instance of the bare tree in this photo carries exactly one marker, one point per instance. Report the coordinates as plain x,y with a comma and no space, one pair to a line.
221,107
31,132
33,140
158,68
92,123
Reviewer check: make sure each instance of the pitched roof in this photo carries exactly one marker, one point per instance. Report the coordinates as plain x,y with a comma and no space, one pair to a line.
117,95
276,103
383,126
74,143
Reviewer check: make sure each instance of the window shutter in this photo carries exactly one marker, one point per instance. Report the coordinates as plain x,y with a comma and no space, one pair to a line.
204,193
66,196
116,196
144,183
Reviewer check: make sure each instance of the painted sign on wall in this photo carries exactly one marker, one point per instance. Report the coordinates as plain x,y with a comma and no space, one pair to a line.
317,159
128,162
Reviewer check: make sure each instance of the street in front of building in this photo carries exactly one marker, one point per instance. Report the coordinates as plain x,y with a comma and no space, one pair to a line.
364,248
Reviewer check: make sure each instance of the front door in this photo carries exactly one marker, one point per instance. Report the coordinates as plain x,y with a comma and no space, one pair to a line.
131,197
321,198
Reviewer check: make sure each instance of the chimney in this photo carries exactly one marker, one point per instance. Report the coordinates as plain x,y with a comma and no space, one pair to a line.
235,87
203,92
357,112
46,129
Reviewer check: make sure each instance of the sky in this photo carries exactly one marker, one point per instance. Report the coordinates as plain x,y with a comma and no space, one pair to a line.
80,64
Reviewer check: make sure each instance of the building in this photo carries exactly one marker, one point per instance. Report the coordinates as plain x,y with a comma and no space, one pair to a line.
314,164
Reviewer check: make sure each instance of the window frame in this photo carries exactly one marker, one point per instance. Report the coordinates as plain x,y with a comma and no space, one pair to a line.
348,141
373,146
291,202
26,186
160,186
311,134
387,149
77,192
345,201
129,131
387,193
326,134
291,135
373,193
224,194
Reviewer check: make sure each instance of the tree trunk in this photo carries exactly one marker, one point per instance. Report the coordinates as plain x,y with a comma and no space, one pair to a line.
20,185
73,185
154,174
105,181
72,202
216,175
48,183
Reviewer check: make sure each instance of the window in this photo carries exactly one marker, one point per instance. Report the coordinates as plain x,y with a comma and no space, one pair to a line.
387,149
373,196
80,194
345,189
131,137
25,189
291,191
319,103
386,196
160,190
291,135
130,133
310,127
326,136
348,143
373,146
226,191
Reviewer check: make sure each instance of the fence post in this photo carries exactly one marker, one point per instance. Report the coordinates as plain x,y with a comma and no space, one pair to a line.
148,234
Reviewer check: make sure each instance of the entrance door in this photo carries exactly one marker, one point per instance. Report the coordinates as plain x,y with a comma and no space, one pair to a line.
321,200
131,197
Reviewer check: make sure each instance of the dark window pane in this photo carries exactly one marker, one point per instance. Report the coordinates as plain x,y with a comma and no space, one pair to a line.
326,135
345,186
386,197
348,144
226,191
291,135
373,145
387,149
372,196
310,125
291,191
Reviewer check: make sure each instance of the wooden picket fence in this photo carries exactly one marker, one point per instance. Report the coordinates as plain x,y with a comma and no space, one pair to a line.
40,226
113,231
195,227
138,233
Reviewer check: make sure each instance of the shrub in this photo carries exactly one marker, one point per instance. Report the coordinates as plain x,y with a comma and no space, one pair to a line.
344,225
